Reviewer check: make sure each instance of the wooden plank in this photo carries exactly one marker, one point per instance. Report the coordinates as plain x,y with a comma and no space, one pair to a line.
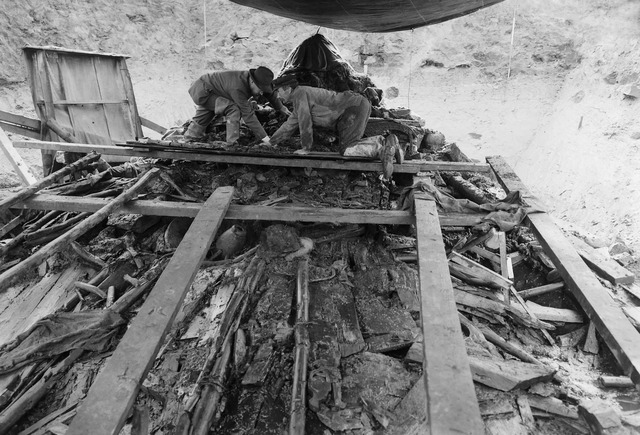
610,321
543,289
18,129
480,271
408,167
114,391
152,125
608,268
29,123
11,225
452,403
16,161
240,212
508,374
555,314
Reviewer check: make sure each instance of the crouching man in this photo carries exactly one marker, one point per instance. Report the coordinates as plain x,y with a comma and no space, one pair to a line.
346,112
227,93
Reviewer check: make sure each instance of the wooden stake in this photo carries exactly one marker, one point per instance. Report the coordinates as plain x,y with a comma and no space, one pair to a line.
298,394
47,181
7,278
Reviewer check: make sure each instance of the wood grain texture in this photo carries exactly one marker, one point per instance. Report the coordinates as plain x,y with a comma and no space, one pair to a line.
114,391
615,329
410,166
451,399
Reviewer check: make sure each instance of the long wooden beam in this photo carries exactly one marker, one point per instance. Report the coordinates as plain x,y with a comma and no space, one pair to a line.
113,393
452,406
243,212
16,161
614,327
409,167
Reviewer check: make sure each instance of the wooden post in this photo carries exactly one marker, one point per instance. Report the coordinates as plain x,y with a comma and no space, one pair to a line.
298,395
613,326
47,181
7,278
452,404
16,161
114,391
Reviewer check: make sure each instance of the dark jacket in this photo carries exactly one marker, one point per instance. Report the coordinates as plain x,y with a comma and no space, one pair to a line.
234,86
315,106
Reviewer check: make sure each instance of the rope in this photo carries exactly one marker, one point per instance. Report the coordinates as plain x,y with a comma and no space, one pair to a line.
410,60
513,29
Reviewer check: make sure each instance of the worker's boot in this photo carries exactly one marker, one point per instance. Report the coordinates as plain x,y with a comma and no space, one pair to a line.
390,151
195,131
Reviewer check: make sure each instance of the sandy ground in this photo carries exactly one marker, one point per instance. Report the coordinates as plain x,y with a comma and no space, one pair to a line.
552,103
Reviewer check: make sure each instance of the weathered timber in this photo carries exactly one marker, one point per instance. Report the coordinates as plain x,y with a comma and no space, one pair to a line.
298,395
7,277
244,212
521,301
543,289
600,416
616,381
35,186
509,374
11,225
152,125
452,402
525,412
480,271
114,391
608,268
494,338
16,161
555,314
614,328
466,188
409,167
20,407
486,254
591,344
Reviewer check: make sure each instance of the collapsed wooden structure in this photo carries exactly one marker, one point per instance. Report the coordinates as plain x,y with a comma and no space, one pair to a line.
450,405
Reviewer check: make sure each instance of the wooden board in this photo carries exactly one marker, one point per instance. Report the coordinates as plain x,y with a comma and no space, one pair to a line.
113,393
452,403
608,268
19,311
554,314
15,159
295,161
241,212
508,374
613,326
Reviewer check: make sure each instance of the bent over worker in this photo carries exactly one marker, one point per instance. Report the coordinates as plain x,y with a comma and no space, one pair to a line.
227,93
347,112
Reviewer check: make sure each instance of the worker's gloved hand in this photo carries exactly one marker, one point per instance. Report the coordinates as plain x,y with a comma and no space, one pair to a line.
285,111
301,152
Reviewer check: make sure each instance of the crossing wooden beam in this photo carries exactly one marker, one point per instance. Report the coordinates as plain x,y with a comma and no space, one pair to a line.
289,160
614,327
113,393
452,406
243,212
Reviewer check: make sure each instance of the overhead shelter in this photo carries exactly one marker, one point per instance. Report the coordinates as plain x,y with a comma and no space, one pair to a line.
369,15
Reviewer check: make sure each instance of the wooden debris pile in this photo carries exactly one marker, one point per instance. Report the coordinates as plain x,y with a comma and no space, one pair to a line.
301,327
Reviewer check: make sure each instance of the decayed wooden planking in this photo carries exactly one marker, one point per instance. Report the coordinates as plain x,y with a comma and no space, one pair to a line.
37,301
410,166
610,321
114,391
452,405
243,212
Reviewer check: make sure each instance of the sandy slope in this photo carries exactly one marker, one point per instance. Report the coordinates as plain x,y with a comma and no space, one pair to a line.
569,133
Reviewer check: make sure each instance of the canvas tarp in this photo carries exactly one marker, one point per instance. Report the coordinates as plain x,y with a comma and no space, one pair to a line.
369,15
